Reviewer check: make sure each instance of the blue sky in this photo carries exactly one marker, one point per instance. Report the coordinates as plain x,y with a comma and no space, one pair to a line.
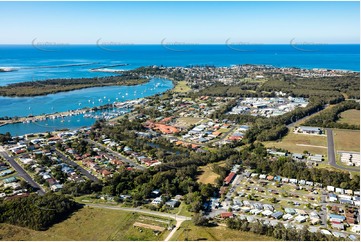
182,22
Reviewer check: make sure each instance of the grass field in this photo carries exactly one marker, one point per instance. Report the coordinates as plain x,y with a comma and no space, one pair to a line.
351,116
183,211
188,121
346,140
207,176
325,165
181,87
252,80
190,232
90,224
223,130
293,143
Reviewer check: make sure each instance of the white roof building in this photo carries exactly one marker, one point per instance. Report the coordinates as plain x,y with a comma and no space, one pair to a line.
267,213
340,190
356,228
330,188
300,219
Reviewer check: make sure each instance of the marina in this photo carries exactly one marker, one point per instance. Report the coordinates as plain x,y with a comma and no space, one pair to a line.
74,109
61,121
79,99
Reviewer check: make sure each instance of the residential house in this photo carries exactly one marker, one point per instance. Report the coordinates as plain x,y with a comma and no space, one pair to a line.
262,176
340,190
330,188
56,187
173,203
336,217
156,201
300,219
290,211
226,215
277,215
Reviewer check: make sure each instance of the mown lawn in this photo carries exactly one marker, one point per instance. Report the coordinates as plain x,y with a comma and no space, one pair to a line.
89,224
220,233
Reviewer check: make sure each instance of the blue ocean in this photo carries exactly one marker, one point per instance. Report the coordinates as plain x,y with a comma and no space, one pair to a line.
32,63
39,63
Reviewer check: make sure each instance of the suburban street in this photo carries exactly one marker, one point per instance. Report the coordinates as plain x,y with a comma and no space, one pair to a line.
224,135
331,153
116,154
21,172
81,169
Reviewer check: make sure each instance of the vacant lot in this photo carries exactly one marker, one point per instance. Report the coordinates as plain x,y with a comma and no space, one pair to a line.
89,224
188,121
351,116
207,176
346,140
181,87
297,143
220,233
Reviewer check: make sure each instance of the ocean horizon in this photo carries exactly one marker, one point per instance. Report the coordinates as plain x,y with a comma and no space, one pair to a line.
52,60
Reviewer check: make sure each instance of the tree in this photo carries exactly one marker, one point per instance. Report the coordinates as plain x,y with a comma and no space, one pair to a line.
108,190
199,220
207,190
5,137
37,212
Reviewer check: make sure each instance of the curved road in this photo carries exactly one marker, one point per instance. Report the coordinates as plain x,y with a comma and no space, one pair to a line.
331,153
